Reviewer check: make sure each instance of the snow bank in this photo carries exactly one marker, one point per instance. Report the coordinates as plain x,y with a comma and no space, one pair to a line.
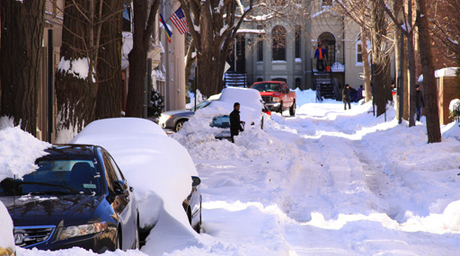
18,152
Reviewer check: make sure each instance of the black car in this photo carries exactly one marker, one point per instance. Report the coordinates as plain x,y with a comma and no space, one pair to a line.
77,197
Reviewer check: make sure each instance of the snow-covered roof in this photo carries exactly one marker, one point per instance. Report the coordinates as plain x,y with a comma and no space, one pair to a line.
250,31
444,72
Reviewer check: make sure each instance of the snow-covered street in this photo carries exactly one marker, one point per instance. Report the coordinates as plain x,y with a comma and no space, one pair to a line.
325,182
330,182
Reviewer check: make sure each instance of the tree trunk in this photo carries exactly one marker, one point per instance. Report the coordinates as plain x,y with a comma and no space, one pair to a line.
75,92
217,25
380,60
212,53
20,56
189,60
109,95
210,71
430,92
412,77
144,19
366,69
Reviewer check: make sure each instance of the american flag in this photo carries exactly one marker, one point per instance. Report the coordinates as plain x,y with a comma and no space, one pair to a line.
178,19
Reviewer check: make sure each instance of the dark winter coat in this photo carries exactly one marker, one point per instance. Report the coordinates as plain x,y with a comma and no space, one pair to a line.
346,94
419,103
235,123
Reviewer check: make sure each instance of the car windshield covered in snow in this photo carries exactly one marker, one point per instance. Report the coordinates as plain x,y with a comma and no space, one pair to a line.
56,177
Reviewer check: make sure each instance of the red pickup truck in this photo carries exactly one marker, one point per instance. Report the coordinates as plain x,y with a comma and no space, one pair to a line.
277,96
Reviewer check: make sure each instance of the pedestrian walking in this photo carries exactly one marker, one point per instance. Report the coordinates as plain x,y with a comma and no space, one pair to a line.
359,93
236,125
346,97
419,102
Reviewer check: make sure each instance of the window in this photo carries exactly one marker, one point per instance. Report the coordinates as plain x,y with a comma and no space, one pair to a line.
359,53
260,48
359,50
297,41
326,3
298,82
279,43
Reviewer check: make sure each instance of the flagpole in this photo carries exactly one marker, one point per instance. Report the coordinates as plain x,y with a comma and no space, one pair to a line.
166,61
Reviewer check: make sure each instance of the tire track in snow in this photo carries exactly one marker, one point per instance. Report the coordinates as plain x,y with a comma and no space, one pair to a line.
338,177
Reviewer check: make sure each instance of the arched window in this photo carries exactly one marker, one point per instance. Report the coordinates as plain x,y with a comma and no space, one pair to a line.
279,43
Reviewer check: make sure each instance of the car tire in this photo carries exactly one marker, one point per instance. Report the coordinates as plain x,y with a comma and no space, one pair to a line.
292,109
280,110
198,226
118,240
137,241
179,125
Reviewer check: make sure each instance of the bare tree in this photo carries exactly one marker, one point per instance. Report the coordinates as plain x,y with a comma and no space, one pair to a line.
370,15
144,20
213,25
445,18
405,25
21,39
77,78
109,95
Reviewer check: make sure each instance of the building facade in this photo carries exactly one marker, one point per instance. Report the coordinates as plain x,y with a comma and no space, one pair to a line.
286,52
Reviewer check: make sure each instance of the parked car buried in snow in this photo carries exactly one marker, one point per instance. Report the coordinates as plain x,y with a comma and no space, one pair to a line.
175,119
214,119
277,96
77,197
157,164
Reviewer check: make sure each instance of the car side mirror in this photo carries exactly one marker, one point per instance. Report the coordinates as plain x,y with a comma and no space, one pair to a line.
119,187
195,181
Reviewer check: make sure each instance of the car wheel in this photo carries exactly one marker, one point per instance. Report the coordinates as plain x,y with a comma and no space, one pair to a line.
198,226
292,109
179,125
137,243
280,110
118,240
